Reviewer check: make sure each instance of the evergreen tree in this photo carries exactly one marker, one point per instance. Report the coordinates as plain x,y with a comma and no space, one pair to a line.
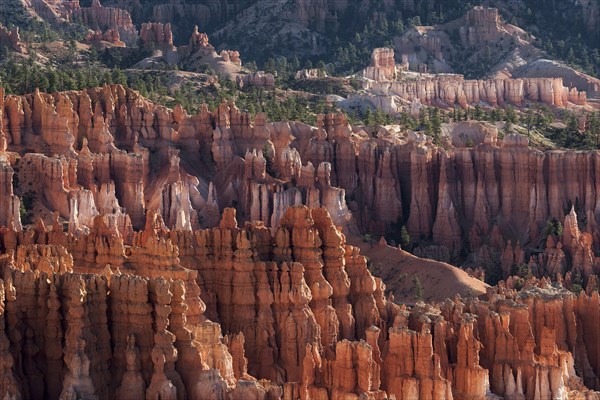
404,236
436,126
418,290
528,120
478,113
510,115
593,127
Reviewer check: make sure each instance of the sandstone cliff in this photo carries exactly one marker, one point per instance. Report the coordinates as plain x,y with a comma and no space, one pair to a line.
101,18
448,90
108,151
195,56
156,35
110,36
11,39
481,38
289,312
268,299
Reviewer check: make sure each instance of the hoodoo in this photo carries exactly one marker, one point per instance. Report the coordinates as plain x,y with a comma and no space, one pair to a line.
384,200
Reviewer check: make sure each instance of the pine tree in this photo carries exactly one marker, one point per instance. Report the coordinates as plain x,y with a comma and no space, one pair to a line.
593,127
510,115
404,236
436,126
478,114
418,290
528,121
368,117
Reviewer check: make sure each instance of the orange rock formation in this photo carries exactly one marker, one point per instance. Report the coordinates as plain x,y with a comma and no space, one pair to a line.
11,39
111,36
108,151
253,312
283,306
101,18
452,89
156,35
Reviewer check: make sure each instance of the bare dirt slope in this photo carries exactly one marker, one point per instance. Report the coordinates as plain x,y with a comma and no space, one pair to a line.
397,268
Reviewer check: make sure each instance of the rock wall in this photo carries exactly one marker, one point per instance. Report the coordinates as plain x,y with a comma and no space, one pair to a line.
312,73
92,173
10,204
290,312
156,35
283,306
382,67
108,151
481,25
449,90
11,39
199,40
101,18
231,56
110,36
258,79
199,52
52,11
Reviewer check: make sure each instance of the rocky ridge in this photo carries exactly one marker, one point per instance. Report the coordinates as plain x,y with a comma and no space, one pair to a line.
11,39
146,252
102,18
197,55
181,302
393,89
481,37
110,36
109,151
156,35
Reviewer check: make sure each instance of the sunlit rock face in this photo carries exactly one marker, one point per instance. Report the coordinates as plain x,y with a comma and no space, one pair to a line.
286,312
206,256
